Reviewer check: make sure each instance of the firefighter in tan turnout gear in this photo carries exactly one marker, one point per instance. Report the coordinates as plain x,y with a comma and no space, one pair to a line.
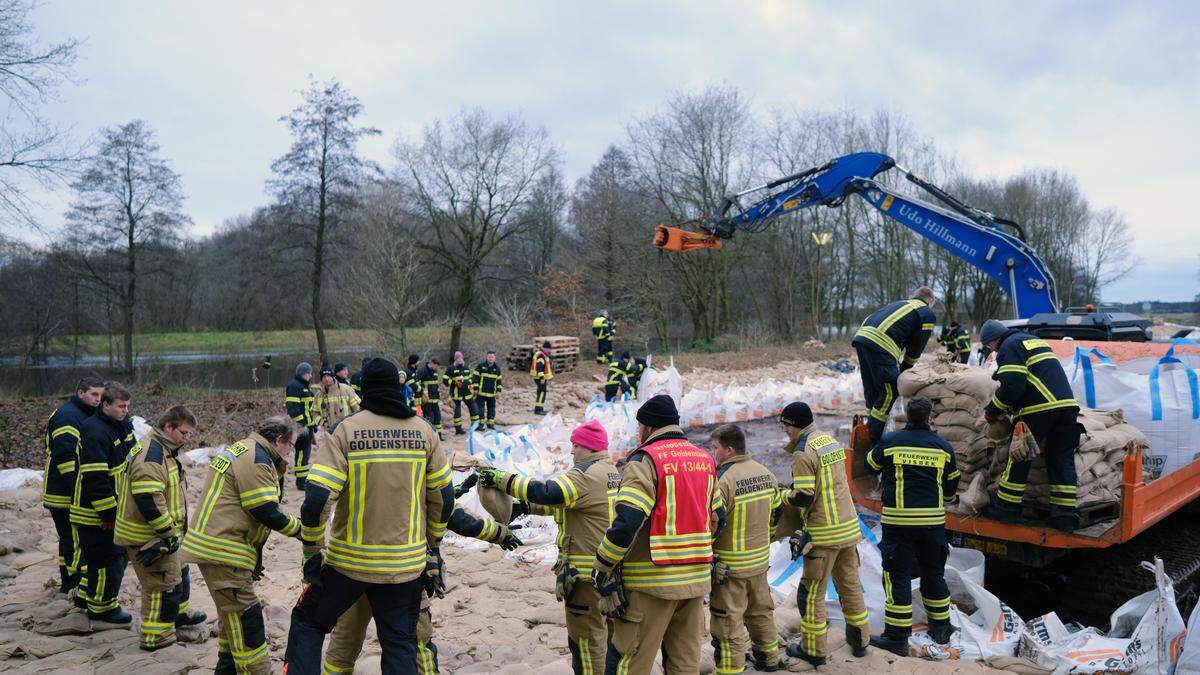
830,538
338,399
654,565
239,506
740,594
386,467
151,519
581,501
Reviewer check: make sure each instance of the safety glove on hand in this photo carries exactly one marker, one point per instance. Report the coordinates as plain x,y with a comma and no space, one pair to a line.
431,579
490,477
800,542
465,486
155,549
312,563
507,540
612,591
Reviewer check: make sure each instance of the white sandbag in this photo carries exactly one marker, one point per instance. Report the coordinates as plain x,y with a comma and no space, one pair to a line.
202,456
1189,660
15,479
992,629
655,382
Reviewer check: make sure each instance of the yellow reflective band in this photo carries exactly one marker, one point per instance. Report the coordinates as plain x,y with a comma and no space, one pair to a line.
518,487
1071,489
1000,404
104,503
648,575
93,466
871,461
804,482
638,499
438,479
292,527
139,487
66,467
312,534
1012,369
570,492
252,498
610,552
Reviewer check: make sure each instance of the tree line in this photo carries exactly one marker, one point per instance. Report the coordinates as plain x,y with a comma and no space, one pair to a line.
472,221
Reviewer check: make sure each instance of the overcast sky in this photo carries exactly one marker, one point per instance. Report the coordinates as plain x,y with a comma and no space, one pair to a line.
1105,90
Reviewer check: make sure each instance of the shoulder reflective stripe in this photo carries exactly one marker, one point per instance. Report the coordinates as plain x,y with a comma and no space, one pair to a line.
638,499
1038,358
871,461
324,476
68,430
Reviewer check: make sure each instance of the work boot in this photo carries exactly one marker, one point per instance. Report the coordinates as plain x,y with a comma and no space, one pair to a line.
941,634
854,639
161,645
190,619
891,643
1063,519
117,615
458,431
1002,511
760,662
797,652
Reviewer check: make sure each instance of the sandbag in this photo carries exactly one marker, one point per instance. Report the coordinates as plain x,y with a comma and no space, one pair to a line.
498,504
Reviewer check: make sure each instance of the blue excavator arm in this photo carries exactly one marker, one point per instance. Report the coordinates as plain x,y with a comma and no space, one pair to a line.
973,235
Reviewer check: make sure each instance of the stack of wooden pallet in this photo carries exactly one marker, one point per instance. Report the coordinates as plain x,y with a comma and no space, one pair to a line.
564,353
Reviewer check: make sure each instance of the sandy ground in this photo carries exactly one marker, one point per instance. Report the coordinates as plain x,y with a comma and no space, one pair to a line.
498,616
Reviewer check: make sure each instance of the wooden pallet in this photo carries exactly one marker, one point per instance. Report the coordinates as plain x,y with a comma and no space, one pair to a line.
1088,515
557,341
560,364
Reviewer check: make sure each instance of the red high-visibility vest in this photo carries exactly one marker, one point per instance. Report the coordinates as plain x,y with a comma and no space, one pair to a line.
680,525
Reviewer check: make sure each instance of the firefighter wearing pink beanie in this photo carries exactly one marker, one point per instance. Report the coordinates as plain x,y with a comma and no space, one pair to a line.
578,500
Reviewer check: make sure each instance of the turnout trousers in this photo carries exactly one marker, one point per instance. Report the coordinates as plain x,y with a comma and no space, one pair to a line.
242,638
909,552
879,374
820,564
1057,434
432,412
472,410
604,351
395,608
105,563
650,624
346,640
738,602
486,409
165,592
304,443
539,401
587,630
70,559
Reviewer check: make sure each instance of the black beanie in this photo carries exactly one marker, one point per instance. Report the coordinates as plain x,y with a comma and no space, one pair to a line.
413,359
380,371
797,414
658,412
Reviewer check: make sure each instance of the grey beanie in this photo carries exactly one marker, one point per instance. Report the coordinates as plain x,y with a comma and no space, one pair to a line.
304,368
992,330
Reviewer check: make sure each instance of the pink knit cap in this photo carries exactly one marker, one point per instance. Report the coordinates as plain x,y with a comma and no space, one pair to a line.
591,435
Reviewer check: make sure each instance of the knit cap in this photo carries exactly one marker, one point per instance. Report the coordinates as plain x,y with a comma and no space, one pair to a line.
591,435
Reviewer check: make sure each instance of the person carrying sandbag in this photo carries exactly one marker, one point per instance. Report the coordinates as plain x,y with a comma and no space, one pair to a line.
919,476
1034,389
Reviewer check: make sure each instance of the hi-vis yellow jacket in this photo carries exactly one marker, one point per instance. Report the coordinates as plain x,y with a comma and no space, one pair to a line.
152,500
750,493
820,486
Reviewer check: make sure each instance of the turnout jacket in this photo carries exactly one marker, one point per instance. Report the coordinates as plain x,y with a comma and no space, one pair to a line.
617,374
339,401
1031,378
603,328
426,385
540,367
301,404
820,488
62,452
239,506
900,330
104,445
956,341
627,541
487,380
152,499
397,498
581,502
749,492
458,381
919,476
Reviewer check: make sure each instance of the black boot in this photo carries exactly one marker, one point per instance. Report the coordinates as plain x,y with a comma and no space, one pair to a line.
941,633
797,652
891,643
190,619
458,431
1063,519
760,662
854,639
116,615
1002,511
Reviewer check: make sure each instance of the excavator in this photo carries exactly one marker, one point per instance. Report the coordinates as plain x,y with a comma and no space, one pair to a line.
1090,571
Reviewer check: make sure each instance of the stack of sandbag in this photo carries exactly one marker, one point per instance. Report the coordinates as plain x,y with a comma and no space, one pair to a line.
959,393
1097,461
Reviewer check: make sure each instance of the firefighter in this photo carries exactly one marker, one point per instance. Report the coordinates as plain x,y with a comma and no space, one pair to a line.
616,382
957,341
919,477
301,405
346,638
740,594
542,373
58,480
634,369
653,567
384,535
151,519
338,399
427,381
410,371
488,382
821,491
579,501
239,506
889,342
457,379
605,330
356,378
105,440
341,371
1034,389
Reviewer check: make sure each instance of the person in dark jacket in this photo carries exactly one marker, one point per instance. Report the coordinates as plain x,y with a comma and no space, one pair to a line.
634,369
488,382
457,379
301,404
889,342
616,382
356,378
58,480
1034,389
957,341
341,372
106,440
919,478
429,395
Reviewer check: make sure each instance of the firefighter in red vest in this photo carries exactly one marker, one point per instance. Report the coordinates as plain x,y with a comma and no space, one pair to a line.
654,566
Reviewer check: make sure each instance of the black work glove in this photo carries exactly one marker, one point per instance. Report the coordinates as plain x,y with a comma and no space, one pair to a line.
507,540
465,486
155,549
800,543
312,566
431,579
519,509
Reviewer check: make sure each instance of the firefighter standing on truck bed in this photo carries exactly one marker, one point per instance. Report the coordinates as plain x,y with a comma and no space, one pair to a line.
1034,389
889,342
58,481
741,595
605,331
542,373
385,531
487,381
239,507
151,520
654,566
821,490
581,503
957,341
919,478
301,405
457,379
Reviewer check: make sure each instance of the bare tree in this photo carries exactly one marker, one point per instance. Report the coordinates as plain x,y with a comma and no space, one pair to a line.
472,180
1106,251
317,181
610,220
127,199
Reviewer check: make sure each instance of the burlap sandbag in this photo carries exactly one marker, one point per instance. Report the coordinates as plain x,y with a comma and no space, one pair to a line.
494,501
975,497
957,435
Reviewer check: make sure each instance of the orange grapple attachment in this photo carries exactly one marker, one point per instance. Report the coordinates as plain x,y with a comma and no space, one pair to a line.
683,241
